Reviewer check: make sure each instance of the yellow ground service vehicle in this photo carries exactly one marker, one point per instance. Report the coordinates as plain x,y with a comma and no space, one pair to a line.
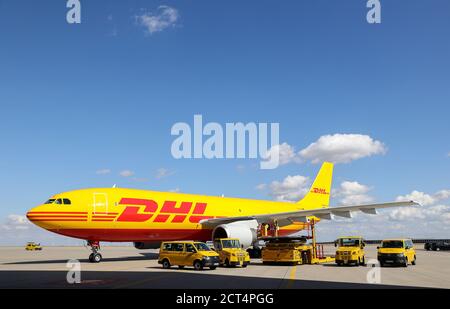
187,253
32,246
231,253
350,250
284,250
397,252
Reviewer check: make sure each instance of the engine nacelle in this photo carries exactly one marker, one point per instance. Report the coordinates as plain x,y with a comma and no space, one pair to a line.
147,245
245,231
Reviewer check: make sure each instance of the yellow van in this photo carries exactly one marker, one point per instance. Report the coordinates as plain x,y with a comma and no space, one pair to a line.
187,253
230,252
397,252
350,250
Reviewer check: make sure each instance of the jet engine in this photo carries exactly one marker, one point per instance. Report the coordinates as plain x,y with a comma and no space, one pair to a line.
245,231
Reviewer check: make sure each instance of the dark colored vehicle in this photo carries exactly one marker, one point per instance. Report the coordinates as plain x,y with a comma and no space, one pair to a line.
437,245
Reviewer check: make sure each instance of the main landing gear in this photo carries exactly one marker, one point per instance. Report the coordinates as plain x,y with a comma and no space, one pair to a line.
95,257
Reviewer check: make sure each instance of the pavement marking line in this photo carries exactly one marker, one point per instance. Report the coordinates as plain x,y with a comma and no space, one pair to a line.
292,277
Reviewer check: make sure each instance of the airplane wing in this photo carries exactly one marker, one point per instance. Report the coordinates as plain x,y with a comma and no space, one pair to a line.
287,218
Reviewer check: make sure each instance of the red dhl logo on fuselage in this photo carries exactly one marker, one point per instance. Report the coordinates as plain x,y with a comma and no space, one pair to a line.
319,191
142,210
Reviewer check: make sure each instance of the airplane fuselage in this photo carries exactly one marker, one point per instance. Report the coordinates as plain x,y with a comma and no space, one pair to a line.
129,215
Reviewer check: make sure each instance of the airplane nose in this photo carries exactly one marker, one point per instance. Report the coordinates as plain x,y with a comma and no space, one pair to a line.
34,215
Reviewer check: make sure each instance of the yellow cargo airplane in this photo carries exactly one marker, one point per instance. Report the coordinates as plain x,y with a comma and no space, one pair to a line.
147,217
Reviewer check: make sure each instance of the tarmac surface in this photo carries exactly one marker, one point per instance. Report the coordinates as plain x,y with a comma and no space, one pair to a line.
127,267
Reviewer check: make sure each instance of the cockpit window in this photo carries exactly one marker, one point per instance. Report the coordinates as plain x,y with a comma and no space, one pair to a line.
59,201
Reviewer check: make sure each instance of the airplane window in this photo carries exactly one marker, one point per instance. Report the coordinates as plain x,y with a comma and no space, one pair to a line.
50,201
66,201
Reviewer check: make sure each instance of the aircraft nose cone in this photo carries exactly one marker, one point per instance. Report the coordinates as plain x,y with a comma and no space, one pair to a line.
33,216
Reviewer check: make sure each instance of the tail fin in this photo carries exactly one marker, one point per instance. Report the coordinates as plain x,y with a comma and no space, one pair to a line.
319,194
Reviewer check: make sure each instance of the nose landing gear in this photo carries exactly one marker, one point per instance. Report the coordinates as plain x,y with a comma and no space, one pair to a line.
94,257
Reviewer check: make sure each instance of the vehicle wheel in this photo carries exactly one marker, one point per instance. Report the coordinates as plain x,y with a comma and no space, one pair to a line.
438,249
364,261
97,258
180,266
212,267
166,264
227,263
244,265
198,265
406,263
357,262
414,262
339,263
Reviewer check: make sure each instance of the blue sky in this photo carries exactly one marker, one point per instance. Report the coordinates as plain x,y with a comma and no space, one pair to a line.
76,99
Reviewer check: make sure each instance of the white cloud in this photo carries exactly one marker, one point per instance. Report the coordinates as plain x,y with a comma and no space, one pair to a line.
104,171
163,172
342,148
15,222
286,154
428,211
126,173
164,17
425,199
292,188
353,193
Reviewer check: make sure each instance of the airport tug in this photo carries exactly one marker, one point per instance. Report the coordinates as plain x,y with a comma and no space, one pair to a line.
231,252
350,250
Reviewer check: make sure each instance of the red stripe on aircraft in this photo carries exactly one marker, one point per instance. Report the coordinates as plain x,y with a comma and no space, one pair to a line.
145,235
57,212
104,217
55,216
83,220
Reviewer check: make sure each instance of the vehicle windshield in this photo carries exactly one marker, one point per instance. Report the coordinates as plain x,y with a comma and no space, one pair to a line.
50,201
348,242
231,243
202,246
392,244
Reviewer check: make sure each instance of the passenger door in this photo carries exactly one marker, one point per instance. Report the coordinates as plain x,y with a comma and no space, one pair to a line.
408,251
178,254
189,255
100,203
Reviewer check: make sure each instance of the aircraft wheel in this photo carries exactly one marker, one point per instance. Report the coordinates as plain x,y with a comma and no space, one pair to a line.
96,258
91,258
